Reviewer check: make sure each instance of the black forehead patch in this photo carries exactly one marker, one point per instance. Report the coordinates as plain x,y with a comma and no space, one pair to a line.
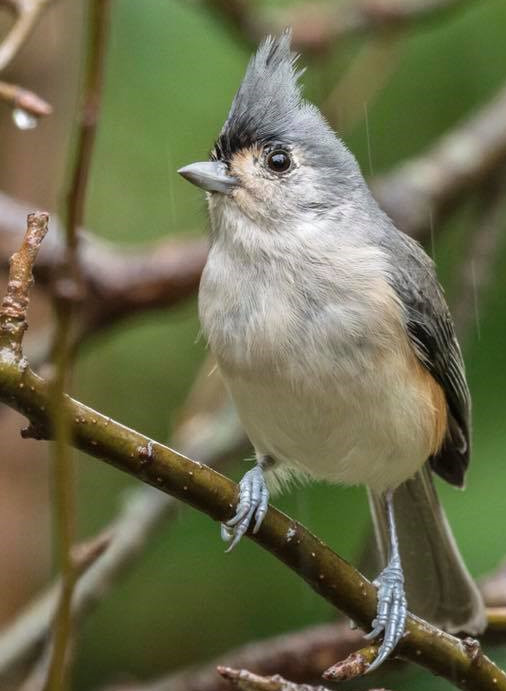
267,101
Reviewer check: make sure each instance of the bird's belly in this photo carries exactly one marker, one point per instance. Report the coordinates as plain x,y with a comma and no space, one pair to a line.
368,427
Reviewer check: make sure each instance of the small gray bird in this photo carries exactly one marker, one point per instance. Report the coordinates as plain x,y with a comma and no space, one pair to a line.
334,339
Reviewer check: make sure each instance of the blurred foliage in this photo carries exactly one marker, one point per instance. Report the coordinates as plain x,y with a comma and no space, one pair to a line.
173,69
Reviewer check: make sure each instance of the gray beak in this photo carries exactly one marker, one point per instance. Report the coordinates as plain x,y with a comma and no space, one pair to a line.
212,176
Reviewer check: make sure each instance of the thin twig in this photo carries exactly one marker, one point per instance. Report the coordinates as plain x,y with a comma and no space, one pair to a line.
64,493
17,97
352,667
244,680
14,307
93,84
28,14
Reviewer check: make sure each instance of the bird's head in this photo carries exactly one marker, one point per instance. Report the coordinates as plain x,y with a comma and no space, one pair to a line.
276,159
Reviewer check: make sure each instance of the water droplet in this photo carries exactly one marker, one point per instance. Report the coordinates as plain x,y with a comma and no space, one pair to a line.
24,120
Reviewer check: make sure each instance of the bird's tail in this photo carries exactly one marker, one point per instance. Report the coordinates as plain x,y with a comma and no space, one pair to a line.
439,588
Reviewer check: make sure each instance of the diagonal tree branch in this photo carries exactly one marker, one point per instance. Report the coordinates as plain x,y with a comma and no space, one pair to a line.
465,665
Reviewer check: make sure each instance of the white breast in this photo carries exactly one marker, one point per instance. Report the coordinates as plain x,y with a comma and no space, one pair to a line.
314,354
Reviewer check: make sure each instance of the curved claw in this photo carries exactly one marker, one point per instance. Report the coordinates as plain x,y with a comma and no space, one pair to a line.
253,504
383,653
226,533
262,508
378,628
392,613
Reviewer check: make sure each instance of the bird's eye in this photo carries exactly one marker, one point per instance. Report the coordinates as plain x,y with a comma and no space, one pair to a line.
279,161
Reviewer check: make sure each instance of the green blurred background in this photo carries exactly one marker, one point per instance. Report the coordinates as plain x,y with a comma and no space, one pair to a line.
172,71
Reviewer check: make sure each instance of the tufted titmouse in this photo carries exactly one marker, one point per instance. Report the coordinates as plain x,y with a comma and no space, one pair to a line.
333,336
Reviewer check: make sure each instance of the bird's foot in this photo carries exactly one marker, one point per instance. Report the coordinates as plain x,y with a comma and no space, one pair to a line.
253,503
391,611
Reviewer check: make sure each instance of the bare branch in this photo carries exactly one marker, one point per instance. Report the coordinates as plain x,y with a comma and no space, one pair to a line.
57,663
247,681
13,322
355,665
88,118
28,13
17,97
244,680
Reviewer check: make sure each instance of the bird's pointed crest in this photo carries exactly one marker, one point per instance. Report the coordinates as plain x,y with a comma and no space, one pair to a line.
267,100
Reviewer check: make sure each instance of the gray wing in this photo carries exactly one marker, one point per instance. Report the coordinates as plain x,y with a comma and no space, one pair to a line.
430,328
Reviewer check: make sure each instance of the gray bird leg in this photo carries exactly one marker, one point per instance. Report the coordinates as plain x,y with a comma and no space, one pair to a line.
392,606
252,505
